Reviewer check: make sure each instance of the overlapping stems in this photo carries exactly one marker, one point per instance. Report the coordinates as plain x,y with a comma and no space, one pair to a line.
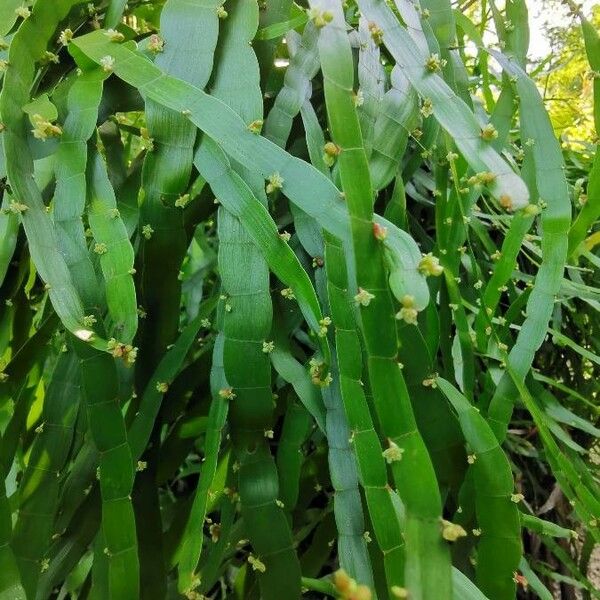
246,326
424,544
375,331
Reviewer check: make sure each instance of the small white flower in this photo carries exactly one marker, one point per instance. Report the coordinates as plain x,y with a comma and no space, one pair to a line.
408,313
393,453
268,347
489,132
156,44
363,297
23,12
430,265
43,129
451,531
319,18
16,207
89,320
107,63
256,564
359,98
434,63
114,36
227,393
427,107
182,201
275,182
147,231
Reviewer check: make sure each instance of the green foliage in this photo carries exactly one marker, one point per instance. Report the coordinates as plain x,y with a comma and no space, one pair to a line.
568,79
297,300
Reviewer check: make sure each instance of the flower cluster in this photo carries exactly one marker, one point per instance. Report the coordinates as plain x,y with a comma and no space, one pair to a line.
120,350
348,589
316,368
44,129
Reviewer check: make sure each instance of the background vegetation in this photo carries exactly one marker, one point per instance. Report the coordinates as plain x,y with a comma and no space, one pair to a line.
298,299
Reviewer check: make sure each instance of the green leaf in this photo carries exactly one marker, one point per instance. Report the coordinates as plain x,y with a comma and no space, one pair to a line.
41,106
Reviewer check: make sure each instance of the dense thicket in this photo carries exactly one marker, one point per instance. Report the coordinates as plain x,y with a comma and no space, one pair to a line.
296,299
